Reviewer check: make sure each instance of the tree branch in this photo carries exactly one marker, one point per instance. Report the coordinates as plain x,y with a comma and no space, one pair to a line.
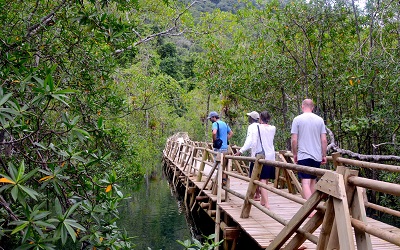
7,208
44,21
167,32
332,146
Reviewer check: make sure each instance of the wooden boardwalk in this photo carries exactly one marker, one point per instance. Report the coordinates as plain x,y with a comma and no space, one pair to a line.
262,228
285,225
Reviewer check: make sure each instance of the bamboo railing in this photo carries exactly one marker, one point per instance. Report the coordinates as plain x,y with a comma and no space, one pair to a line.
339,192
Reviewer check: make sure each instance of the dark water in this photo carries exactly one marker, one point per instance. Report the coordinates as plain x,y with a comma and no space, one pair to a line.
155,215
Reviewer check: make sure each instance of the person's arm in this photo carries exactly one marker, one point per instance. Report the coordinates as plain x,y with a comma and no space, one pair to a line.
214,134
246,146
230,133
294,147
324,145
214,131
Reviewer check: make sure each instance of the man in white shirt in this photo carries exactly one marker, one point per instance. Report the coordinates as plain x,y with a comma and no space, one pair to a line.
251,129
253,118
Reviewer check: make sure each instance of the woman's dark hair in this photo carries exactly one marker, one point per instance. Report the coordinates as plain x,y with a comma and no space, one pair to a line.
265,116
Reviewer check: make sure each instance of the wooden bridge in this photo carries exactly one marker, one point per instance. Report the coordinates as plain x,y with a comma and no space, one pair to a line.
340,221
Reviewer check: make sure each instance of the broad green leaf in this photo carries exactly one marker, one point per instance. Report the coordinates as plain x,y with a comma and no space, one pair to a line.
59,97
100,122
32,193
81,131
39,80
66,91
75,120
10,111
41,215
57,206
71,210
5,98
25,247
14,193
64,234
20,227
28,175
49,82
73,223
4,187
70,230
13,171
21,170
45,224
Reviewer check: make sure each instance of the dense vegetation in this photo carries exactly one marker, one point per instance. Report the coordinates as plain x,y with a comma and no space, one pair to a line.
91,89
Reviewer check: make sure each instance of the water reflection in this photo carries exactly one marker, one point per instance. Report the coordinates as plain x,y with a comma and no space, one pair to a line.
154,215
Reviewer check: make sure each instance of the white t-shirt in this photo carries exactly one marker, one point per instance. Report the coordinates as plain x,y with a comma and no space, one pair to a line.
308,127
251,132
267,133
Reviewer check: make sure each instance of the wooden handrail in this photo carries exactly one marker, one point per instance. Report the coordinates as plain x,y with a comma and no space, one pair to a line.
382,209
381,186
299,168
380,233
372,165
241,158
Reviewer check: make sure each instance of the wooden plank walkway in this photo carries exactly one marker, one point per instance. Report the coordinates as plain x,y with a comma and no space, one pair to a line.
262,228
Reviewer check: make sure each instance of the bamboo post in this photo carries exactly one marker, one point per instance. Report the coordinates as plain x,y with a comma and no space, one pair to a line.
227,166
363,239
193,151
216,163
251,190
202,164
219,158
327,224
333,184
309,227
334,237
297,220
333,241
185,157
193,154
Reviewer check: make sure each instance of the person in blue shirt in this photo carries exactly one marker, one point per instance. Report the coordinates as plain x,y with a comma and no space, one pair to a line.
220,130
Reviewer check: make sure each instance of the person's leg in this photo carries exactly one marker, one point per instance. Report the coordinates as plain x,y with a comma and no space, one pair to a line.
257,194
312,185
306,186
264,194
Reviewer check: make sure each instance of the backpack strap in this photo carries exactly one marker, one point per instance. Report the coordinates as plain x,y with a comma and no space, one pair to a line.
259,136
217,129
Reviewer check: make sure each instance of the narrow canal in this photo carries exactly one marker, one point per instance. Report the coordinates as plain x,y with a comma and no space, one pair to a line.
155,215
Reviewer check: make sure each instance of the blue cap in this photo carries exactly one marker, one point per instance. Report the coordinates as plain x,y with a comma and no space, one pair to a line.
212,114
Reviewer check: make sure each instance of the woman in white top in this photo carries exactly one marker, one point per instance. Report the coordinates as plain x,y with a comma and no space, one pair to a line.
265,142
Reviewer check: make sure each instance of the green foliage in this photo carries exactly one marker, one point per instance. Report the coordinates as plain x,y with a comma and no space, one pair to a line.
167,50
65,137
81,106
208,244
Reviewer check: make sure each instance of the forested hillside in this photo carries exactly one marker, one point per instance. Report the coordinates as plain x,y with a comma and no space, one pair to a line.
90,90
